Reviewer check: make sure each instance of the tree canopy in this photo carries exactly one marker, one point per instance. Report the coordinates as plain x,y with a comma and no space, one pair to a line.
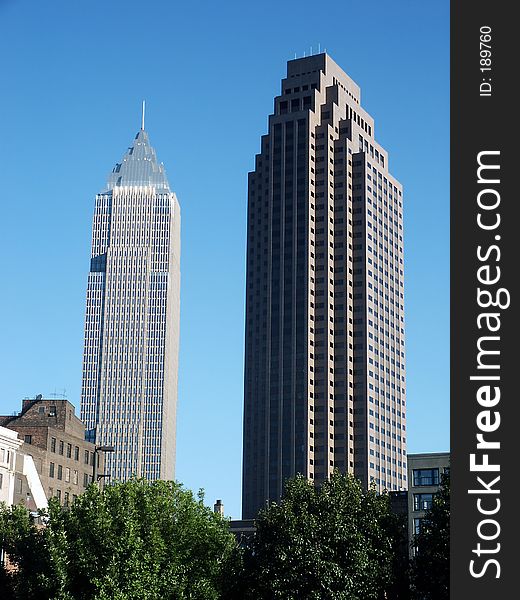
430,573
332,541
155,541
133,540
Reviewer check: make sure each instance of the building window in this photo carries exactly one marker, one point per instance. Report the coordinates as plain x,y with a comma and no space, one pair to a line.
61,447
52,411
58,495
67,474
425,477
422,501
85,480
60,472
76,453
417,526
1,480
53,444
51,469
75,479
27,439
86,457
69,450
66,502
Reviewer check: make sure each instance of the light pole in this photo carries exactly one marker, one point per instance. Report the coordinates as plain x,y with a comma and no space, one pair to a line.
97,449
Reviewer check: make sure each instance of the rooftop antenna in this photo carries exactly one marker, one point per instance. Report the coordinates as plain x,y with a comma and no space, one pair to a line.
142,116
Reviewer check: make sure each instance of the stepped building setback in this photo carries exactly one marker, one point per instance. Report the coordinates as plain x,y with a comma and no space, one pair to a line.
324,347
129,390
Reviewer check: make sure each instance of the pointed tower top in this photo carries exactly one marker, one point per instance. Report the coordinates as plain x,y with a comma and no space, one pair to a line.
142,116
139,166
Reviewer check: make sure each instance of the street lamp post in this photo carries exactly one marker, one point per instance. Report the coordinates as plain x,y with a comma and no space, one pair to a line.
97,449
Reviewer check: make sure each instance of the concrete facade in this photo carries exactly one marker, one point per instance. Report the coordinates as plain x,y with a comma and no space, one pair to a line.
28,489
243,530
130,359
324,345
54,438
9,444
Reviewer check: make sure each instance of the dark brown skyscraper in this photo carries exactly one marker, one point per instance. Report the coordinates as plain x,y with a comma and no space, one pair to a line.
324,364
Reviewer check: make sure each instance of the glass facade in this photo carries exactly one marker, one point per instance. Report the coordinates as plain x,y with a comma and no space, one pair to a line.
426,477
129,389
422,501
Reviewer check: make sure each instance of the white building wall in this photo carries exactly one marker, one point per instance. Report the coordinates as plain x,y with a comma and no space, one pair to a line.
9,444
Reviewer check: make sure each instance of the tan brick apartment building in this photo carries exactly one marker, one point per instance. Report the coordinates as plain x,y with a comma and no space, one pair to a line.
55,438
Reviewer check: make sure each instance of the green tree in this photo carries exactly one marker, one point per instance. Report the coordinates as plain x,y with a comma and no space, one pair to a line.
15,525
430,572
133,540
334,541
24,546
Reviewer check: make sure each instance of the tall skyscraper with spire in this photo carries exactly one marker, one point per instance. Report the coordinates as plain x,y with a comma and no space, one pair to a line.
129,388
324,351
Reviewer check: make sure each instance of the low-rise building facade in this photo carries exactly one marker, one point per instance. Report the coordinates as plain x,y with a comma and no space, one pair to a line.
54,437
9,444
425,473
20,482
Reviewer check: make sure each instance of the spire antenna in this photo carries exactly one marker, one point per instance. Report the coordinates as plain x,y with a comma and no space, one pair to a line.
142,116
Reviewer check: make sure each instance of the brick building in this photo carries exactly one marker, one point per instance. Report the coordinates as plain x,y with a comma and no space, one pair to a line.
55,438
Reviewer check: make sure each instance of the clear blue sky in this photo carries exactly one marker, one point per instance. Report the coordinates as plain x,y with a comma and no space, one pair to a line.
73,77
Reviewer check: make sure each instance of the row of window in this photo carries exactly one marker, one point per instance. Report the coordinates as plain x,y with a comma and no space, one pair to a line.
68,475
5,455
64,497
66,450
